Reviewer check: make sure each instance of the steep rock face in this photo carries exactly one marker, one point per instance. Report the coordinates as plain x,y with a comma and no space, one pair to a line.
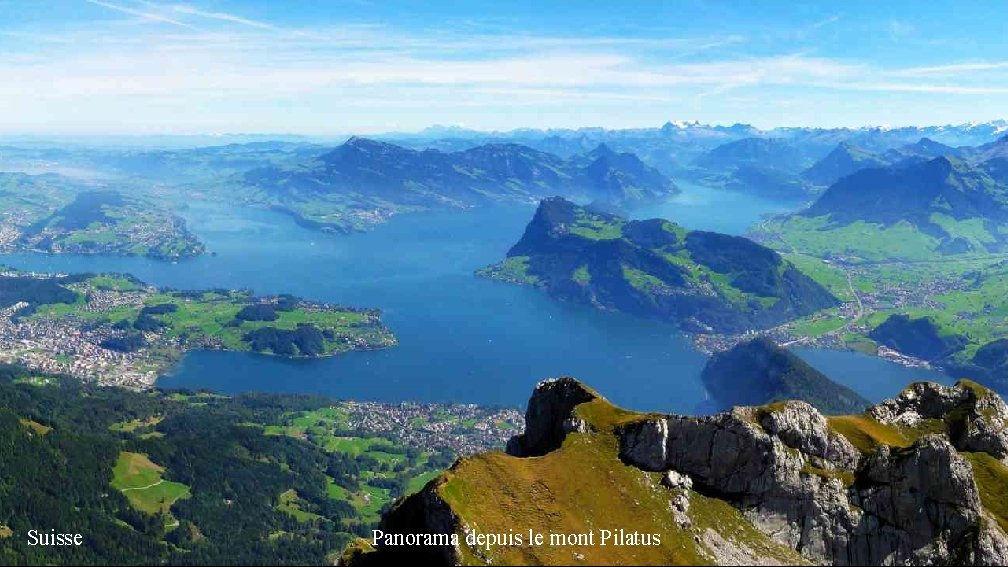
732,457
550,417
920,506
805,485
977,420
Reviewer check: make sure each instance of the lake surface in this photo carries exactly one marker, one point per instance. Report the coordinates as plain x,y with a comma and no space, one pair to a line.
462,338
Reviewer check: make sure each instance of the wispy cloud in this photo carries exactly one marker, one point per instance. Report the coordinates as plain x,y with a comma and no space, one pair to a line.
203,63
220,16
145,15
954,69
826,21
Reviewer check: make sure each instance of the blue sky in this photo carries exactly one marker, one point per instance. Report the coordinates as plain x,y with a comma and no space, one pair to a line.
357,66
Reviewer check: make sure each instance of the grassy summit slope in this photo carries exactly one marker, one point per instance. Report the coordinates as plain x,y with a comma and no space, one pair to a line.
582,487
703,280
735,488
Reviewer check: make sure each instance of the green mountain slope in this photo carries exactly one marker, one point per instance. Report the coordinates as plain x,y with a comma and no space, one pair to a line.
844,160
914,211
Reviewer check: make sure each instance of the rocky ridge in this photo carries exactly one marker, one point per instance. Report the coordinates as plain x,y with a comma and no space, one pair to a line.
900,484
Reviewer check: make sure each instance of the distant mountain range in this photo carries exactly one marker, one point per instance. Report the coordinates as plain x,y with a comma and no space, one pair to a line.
771,153
844,160
704,281
950,204
914,192
363,180
848,158
673,147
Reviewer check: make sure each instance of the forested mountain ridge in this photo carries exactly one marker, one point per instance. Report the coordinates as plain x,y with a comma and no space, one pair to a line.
759,372
363,180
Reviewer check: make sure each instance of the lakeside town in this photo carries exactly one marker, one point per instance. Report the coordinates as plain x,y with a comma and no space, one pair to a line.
109,335
467,429
849,318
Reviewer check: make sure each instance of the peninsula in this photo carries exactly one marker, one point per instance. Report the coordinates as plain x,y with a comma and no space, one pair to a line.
117,330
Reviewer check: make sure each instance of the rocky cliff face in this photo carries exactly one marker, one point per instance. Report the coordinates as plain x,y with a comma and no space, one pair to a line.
550,417
804,484
919,479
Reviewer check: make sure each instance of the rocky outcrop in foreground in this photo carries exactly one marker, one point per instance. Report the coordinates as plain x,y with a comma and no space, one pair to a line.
919,479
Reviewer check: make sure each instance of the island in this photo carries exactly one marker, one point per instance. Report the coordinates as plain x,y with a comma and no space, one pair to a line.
53,214
705,282
115,329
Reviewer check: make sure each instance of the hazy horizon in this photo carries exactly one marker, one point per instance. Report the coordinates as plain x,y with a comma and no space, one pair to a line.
157,68
437,129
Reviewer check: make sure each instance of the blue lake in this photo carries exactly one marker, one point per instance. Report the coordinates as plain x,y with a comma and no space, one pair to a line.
462,338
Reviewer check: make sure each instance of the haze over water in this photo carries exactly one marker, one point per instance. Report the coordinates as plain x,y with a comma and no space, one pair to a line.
462,338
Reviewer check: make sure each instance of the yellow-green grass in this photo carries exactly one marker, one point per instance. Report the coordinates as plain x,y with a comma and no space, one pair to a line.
991,476
290,503
419,481
818,324
5,532
35,426
867,434
827,275
584,487
860,240
134,424
354,551
139,479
